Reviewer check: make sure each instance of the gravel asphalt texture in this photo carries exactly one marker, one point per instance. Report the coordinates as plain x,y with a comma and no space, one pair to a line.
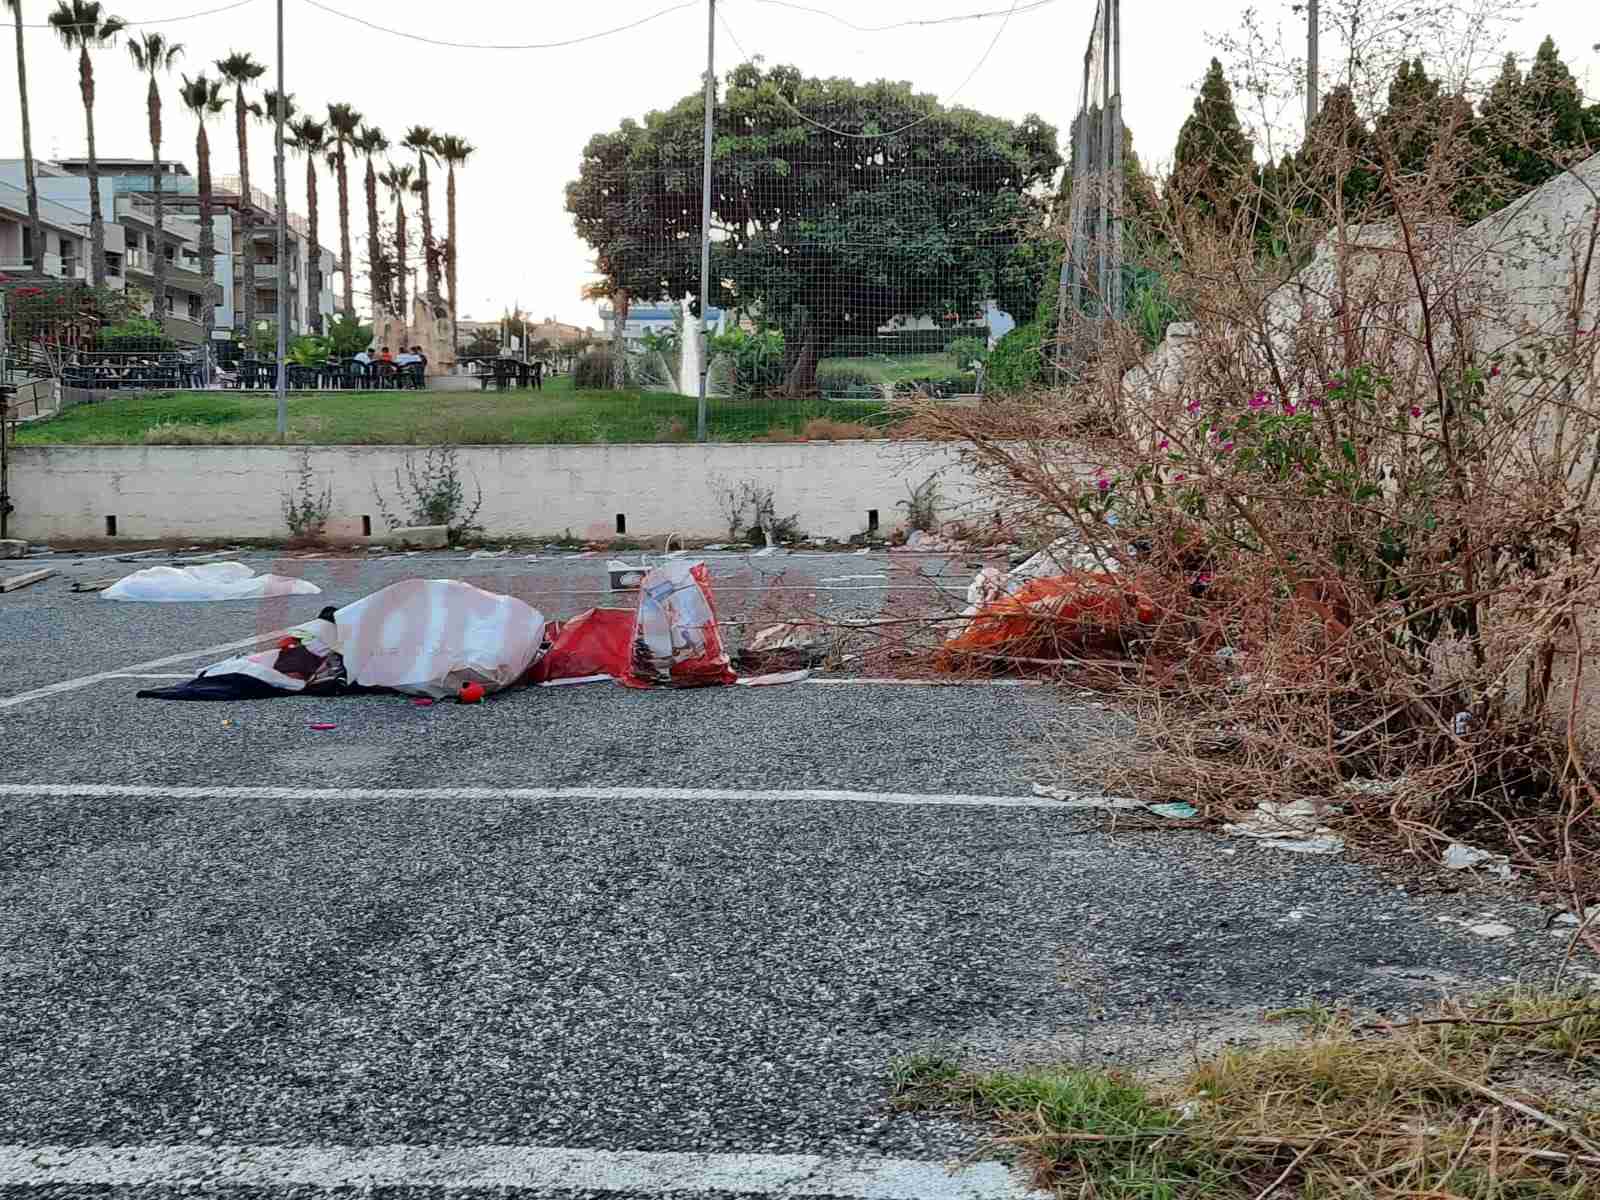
644,973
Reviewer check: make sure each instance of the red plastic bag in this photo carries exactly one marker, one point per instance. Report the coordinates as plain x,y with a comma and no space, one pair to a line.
676,642
597,642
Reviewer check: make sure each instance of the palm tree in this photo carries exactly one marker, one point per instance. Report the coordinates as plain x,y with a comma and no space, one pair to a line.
82,26
343,124
309,136
203,98
270,100
455,151
369,143
240,69
35,227
420,140
398,181
153,54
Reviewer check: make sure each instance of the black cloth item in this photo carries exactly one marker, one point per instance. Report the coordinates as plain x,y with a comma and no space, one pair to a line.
217,688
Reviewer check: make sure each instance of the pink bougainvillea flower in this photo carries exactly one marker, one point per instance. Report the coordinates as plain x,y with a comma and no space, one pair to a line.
1103,484
1334,385
1494,370
1193,407
1179,477
1415,411
1165,444
1226,447
1259,400
1290,407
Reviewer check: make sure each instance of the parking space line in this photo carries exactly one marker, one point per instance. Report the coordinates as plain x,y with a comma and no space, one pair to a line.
650,1173
73,685
135,791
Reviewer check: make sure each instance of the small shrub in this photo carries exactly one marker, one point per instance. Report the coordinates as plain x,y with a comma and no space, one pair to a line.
754,359
848,382
305,508
969,350
1017,361
592,372
751,512
922,505
432,494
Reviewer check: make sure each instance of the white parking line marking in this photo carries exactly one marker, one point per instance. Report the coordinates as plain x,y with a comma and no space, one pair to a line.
73,685
137,791
647,1173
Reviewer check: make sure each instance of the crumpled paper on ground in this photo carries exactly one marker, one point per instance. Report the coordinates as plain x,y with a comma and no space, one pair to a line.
1295,826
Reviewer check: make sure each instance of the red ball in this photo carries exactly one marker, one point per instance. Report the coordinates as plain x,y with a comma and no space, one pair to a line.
471,693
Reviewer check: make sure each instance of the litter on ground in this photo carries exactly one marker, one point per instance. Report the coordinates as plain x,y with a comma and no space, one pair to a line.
1459,857
205,581
1296,826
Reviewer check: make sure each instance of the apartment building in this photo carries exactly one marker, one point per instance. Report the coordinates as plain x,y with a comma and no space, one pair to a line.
127,201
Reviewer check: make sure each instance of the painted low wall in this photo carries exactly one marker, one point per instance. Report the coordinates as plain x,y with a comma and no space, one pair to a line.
221,492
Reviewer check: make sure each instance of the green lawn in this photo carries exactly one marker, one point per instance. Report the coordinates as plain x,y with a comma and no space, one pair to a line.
555,415
895,369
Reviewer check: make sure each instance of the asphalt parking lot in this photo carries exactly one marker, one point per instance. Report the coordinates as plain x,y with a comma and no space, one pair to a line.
593,941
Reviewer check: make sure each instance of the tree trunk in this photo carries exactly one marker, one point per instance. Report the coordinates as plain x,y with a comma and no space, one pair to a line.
158,299
314,267
430,252
400,262
247,214
344,232
451,259
97,228
801,380
34,224
208,240
375,272
620,304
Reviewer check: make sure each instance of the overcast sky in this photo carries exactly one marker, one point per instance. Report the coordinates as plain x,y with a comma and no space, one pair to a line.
530,112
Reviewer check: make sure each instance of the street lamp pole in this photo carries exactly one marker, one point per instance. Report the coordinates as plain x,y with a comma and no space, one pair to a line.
705,215
283,257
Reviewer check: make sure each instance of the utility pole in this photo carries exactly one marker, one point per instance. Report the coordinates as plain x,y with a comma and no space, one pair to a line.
705,215
283,256
1311,63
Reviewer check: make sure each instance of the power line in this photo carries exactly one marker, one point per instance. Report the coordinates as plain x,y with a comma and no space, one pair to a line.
971,75
210,12
417,37
1014,10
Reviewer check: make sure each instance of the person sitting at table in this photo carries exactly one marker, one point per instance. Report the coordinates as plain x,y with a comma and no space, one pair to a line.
386,357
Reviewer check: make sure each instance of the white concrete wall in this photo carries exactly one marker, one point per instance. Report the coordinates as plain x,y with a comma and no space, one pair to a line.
222,492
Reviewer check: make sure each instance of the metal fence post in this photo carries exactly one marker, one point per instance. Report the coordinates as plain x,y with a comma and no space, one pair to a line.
705,215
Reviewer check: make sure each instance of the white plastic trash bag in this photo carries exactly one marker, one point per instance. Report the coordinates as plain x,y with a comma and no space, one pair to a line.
430,636
208,581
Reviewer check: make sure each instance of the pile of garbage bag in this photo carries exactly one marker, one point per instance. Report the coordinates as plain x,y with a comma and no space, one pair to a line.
436,638
1055,606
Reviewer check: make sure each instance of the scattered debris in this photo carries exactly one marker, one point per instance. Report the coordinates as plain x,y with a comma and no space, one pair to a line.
489,554
577,680
422,702
1176,812
1295,826
26,579
208,581
11,548
786,647
1459,857
92,585
624,576
920,542
777,679
1085,800
322,726
1051,619
197,560
1491,929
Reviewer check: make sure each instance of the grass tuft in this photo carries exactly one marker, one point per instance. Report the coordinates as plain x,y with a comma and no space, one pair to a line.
1498,1099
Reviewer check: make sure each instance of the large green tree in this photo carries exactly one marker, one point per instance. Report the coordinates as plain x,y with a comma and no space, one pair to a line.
837,206
1214,160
